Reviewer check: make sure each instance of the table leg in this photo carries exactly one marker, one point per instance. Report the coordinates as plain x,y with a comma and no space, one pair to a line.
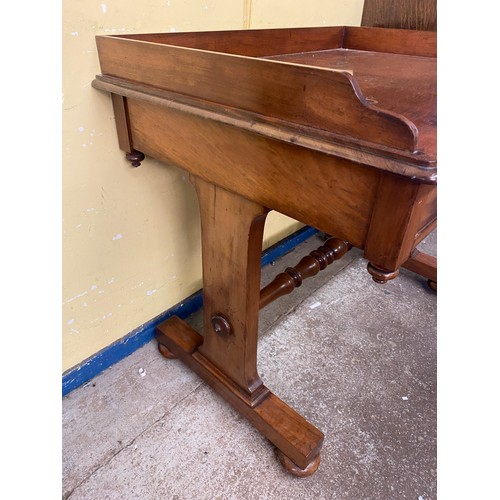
226,356
404,212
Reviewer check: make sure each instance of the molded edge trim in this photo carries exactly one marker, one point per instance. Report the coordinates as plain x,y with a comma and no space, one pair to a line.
112,354
398,161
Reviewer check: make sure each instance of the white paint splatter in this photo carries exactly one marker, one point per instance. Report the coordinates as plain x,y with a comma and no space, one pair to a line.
172,29
112,280
150,292
104,8
404,398
74,33
81,129
114,30
93,287
315,305
75,297
117,237
70,322
84,145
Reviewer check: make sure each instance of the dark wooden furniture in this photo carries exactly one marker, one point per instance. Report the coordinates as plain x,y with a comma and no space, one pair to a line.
335,127
404,14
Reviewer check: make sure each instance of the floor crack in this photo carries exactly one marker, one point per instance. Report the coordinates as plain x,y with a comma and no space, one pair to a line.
68,494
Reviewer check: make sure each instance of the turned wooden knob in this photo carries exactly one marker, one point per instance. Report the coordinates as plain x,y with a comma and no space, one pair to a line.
135,157
221,325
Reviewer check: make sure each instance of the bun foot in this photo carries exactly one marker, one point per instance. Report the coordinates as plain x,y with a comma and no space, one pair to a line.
381,275
165,352
135,157
294,469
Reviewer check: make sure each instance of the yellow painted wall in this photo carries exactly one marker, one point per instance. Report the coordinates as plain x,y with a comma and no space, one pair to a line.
131,237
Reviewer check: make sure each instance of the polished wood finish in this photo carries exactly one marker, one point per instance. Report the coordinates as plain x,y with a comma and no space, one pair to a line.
276,182
334,127
251,43
381,275
297,439
283,91
377,81
231,254
409,15
121,120
405,14
293,469
310,265
124,138
404,213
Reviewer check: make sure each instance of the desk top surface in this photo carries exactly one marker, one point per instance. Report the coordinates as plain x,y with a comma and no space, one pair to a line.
401,83
366,93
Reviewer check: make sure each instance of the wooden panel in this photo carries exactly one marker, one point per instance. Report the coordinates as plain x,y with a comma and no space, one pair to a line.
328,193
255,43
121,120
406,14
315,97
402,216
396,41
425,213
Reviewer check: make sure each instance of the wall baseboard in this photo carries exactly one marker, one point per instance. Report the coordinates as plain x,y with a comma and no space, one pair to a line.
107,357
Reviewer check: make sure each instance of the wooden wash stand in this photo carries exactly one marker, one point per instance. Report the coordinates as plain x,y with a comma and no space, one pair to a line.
332,126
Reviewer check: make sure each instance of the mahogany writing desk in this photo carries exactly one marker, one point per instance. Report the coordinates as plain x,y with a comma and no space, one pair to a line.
335,127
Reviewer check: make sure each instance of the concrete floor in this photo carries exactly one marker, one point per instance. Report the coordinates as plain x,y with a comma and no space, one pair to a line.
357,359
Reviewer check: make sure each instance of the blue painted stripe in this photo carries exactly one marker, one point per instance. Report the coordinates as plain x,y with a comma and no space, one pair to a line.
88,369
286,245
